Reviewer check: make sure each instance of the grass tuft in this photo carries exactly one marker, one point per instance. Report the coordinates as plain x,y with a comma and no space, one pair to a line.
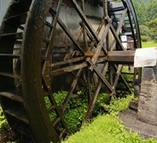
149,44
108,128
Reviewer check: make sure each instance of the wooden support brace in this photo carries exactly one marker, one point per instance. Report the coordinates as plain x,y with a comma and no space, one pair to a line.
68,69
99,74
67,32
73,85
95,96
82,15
118,29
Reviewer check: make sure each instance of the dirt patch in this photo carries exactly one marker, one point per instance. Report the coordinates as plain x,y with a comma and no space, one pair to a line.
132,122
7,135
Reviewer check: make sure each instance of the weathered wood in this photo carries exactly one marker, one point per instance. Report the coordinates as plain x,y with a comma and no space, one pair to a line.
70,36
95,95
70,61
57,40
124,57
118,29
100,75
73,86
128,88
82,15
68,69
12,96
101,44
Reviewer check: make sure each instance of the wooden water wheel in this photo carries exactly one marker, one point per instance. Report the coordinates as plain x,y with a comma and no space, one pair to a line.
52,45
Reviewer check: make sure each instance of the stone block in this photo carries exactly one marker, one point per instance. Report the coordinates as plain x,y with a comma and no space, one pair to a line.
147,107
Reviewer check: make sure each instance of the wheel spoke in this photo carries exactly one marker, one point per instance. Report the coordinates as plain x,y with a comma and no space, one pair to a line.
51,46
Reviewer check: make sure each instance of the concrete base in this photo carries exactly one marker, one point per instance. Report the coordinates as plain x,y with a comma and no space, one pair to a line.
147,109
147,106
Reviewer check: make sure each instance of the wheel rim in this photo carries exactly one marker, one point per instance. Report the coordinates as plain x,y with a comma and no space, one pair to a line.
36,61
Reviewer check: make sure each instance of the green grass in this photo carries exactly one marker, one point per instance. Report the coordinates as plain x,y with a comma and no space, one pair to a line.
149,44
108,128
3,122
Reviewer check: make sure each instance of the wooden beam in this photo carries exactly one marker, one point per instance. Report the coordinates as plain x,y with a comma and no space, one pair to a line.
121,57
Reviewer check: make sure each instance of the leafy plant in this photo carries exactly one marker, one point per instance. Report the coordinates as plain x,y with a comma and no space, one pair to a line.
103,98
74,112
76,108
153,28
7,135
117,105
3,124
108,128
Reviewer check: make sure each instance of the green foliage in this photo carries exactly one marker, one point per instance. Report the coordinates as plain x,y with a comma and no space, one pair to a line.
153,29
144,30
151,11
74,117
145,33
59,97
3,122
146,11
141,10
75,109
118,105
144,38
103,98
127,69
75,113
149,44
147,14
108,128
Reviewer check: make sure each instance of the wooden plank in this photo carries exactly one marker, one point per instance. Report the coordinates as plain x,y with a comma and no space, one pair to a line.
17,35
18,17
11,75
67,61
10,55
68,69
17,114
12,96
119,28
124,57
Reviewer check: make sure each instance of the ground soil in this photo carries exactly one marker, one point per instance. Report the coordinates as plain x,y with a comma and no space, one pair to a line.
7,135
132,122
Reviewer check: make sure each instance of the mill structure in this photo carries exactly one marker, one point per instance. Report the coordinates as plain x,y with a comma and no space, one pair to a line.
48,46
